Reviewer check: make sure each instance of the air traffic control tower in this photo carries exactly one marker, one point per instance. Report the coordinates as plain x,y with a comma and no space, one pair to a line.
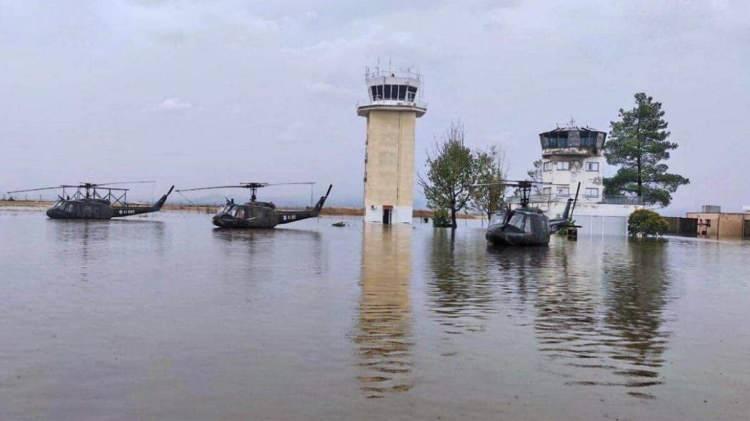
392,113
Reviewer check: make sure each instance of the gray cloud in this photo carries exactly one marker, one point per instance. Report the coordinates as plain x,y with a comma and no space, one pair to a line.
174,104
278,83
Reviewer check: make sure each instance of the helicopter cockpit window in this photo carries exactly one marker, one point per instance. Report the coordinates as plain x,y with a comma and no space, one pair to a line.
225,209
518,220
69,207
238,212
528,228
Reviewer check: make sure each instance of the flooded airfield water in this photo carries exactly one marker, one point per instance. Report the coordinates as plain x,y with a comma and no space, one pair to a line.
166,318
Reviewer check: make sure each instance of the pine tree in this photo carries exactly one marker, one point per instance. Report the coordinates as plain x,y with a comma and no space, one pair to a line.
638,143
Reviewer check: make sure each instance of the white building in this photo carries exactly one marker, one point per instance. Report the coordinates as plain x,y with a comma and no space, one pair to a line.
575,154
391,112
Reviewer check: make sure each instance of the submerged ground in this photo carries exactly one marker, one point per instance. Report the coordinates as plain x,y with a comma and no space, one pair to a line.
164,317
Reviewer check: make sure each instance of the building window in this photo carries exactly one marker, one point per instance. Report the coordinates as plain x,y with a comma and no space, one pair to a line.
588,140
592,192
592,166
563,191
548,166
547,192
563,165
411,93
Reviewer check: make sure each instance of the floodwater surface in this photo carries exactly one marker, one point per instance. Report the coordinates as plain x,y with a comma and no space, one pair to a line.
164,317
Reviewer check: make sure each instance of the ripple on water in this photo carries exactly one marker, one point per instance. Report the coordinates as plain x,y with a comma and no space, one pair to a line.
602,323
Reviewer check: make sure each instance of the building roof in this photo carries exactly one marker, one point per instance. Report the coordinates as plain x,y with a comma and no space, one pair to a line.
568,129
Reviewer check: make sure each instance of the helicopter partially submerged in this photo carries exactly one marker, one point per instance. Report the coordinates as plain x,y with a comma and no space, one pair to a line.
96,201
257,214
525,225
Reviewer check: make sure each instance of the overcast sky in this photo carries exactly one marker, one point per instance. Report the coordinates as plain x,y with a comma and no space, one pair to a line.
214,92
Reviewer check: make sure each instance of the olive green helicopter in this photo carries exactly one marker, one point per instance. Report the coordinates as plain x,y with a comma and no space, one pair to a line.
526,225
258,214
96,201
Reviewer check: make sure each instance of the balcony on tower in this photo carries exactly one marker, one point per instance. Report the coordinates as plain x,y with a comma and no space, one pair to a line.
395,90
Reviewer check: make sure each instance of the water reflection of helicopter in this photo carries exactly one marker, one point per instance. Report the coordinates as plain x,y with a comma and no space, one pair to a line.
527,226
256,214
88,201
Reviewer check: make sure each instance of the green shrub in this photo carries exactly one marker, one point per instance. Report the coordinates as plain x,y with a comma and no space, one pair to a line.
646,223
441,218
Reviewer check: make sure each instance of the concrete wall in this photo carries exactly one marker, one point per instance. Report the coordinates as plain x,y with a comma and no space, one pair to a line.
719,225
389,167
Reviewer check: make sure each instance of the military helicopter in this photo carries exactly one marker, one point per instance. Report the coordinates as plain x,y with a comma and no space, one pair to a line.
256,214
527,226
90,202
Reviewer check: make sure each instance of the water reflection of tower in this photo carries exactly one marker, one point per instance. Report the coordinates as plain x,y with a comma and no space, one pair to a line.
384,331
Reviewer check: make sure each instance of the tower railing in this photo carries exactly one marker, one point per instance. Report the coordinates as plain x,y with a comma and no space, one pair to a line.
377,72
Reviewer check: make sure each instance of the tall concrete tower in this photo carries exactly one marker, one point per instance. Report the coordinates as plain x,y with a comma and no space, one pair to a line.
392,114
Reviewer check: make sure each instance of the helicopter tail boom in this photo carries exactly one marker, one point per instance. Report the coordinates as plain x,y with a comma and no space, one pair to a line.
566,220
287,216
129,210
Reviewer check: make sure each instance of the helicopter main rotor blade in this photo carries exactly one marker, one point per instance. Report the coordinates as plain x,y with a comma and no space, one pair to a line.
247,185
308,183
509,183
37,189
491,184
212,188
122,182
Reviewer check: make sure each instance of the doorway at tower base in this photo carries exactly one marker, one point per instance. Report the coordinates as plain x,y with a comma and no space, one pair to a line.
384,214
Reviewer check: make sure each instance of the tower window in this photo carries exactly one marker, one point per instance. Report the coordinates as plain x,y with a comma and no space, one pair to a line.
588,140
563,191
592,166
547,166
411,93
592,192
387,92
563,165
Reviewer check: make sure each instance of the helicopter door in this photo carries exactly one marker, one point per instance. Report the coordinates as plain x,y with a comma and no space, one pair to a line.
387,212
87,211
